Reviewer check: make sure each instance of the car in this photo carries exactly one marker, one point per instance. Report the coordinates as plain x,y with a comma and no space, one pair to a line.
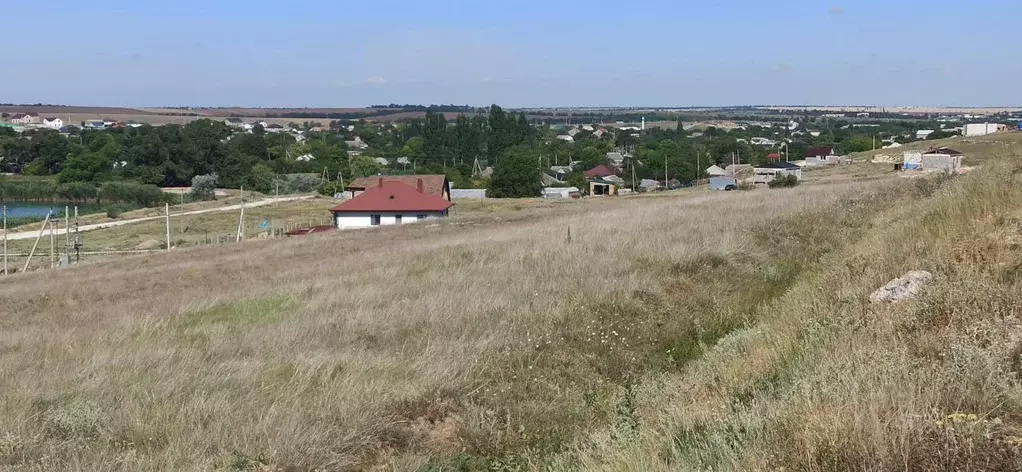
731,187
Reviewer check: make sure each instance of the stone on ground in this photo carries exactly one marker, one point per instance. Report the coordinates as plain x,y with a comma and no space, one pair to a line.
902,288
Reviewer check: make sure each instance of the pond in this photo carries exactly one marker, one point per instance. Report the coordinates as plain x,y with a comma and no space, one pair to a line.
40,210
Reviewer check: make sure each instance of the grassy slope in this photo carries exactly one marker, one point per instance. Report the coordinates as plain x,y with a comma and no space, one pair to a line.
494,342
402,345
826,381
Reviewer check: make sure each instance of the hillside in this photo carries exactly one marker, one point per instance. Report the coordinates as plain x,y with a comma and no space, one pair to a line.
687,331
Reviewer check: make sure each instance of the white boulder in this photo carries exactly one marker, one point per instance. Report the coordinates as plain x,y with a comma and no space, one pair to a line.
902,288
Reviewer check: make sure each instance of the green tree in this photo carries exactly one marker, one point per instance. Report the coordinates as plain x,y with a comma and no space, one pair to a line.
261,178
364,166
577,180
860,144
590,157
516,175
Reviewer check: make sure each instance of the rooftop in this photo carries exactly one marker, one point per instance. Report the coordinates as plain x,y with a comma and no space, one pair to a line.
434,184
391,196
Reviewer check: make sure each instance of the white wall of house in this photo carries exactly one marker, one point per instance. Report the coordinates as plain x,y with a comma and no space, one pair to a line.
823,161
55,123
980,129
366,220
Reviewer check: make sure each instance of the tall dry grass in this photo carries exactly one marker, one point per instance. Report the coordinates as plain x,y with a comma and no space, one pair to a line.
468,344
826,381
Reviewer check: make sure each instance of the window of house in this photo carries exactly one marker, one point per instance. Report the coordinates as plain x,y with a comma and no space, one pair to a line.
397,219
374,220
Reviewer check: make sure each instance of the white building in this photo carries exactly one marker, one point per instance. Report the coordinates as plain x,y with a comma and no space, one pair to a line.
763,142
912,160
564,137
390,203
767,172
715,171
356,143
924,133
55,123
560,192
982,129
23,119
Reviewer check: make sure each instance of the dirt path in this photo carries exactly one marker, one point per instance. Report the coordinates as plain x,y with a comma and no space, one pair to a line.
111,224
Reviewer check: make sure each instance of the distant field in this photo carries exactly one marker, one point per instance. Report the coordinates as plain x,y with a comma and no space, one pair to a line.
856,109
63,110
239,111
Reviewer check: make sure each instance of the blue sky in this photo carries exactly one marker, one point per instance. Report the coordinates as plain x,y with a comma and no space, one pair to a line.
526,53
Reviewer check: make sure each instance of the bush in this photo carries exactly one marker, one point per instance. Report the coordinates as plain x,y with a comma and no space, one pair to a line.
77,191
329,189
115,210
125,192
784,181
204,187
300,183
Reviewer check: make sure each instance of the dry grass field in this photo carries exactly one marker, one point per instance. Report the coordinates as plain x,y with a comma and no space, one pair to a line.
694,331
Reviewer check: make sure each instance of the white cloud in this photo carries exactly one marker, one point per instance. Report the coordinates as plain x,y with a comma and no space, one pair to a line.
376,81
836,11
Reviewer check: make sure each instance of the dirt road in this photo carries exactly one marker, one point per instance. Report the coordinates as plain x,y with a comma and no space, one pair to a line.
111,224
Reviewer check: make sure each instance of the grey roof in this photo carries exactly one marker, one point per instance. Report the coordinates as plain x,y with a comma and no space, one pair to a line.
549,180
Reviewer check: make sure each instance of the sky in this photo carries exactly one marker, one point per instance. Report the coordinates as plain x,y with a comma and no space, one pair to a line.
526,53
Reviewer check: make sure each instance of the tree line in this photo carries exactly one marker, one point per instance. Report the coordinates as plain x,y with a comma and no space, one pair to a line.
517,149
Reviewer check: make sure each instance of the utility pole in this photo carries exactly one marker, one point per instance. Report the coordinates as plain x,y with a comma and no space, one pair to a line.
665,172
53,244
36,243
67,233
632,165
699,168
241,219
166,207
5,241
78,239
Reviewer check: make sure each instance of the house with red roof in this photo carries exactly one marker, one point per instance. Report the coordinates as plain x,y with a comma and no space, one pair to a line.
599,171
390,202
822,156
433,184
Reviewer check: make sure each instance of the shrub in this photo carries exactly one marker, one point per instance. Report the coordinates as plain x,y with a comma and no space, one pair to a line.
784,181
126,192
746,186
329,189
77,191
204,187
78,419
115,210
300,183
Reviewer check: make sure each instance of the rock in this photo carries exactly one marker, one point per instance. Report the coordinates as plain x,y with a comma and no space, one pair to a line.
902,288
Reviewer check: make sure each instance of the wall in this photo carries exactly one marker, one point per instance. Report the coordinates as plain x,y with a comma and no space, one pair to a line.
913,159
476,193
364,220
980,129
938,162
